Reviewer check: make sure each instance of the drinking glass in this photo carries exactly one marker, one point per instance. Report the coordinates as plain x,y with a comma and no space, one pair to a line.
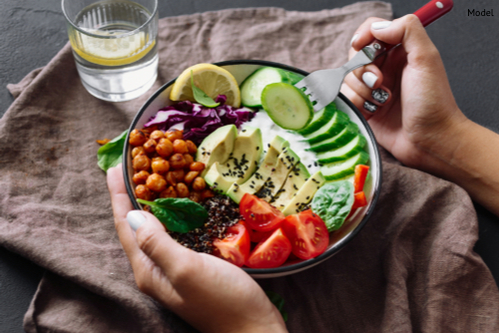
114,45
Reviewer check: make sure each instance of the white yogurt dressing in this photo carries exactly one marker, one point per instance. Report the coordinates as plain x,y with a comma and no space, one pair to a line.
269,130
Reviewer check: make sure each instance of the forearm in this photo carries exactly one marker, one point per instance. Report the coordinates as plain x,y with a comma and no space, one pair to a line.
468,156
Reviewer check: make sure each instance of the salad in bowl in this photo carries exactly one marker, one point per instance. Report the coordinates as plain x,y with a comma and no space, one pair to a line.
234,162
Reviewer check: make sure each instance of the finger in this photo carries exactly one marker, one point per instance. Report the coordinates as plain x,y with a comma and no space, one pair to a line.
121,206
363,35
174,259
358,101
378,96
409,32
370,75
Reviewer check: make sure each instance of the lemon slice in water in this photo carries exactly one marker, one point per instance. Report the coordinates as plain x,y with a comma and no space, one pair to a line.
213,80
113,51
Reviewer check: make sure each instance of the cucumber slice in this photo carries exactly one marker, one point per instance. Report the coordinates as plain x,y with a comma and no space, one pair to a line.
252,86
352,148
320,118
346,135
338,122
287,106
334,171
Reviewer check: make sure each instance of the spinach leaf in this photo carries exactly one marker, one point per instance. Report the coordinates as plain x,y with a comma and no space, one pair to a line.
201,97
278,302
178,214
333,202
110,155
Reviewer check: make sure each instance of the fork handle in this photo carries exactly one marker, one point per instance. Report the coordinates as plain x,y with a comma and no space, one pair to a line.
427,14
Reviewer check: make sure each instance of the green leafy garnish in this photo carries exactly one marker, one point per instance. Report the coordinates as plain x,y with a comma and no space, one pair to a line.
177,214
333,203
201,97
110,155
278,302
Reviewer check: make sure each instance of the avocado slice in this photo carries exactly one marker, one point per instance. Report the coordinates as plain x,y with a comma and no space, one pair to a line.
305,194
217,146
240,164
257,180
286,162
296,178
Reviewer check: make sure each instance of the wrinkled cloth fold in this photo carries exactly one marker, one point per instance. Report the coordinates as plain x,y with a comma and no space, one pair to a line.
412,267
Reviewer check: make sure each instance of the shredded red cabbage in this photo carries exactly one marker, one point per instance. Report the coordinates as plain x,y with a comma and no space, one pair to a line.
198,121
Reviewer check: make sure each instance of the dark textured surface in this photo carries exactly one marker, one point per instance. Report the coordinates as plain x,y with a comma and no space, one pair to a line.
33,32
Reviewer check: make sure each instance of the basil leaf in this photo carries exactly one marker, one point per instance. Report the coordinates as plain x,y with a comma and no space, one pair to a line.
110,155
278,302
178,214
200,96
333,202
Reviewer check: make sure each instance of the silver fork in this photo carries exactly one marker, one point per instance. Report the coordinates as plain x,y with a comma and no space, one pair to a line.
323,86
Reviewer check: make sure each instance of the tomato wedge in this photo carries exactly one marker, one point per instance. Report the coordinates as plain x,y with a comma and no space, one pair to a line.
258,214
235,248
307,233
259,236
271,252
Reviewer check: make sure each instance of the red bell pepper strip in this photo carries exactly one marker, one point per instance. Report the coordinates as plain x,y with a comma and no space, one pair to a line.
359,200
360,173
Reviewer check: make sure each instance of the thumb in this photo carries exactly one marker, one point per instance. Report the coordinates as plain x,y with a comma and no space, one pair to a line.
156,243
410,33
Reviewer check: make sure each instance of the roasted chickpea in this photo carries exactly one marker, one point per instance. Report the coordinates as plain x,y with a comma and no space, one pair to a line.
171,178
195,196
177,161
182,190
197,166
169,192
189,159
157,135
180,146
141,162
190,176
164,148
156,182
142,192
137,138
150,146
178,175
160,165
199,184
191,147
138,151
140,177
174,135
205,194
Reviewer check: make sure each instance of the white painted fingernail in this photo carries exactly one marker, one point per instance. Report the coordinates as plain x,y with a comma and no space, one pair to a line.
135,219
354,38
381,25
369,79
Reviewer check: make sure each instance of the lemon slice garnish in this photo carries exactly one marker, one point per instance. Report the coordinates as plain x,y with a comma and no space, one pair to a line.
114,51
213,80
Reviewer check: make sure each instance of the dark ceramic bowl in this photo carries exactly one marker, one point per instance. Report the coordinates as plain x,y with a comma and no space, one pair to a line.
240,69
